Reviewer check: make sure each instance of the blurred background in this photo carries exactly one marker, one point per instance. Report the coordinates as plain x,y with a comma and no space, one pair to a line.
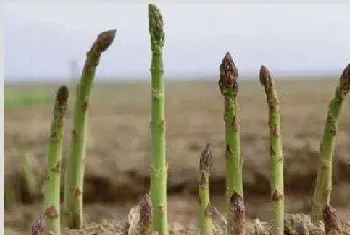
306,47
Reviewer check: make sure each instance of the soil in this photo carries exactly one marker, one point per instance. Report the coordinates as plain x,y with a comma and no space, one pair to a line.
118,152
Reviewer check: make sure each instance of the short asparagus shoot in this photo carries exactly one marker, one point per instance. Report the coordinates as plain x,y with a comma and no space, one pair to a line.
38,226
205,213
238,214
54,158
330,220
302,229
145,222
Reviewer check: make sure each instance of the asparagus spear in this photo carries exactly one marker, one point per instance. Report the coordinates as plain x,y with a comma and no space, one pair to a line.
54,157
205,215
330,219
75,170
323,187
38,226
159,165
303,229
229,89
276,151
145,223
238,214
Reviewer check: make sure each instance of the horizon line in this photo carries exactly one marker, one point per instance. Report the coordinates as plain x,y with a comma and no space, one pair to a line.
178,76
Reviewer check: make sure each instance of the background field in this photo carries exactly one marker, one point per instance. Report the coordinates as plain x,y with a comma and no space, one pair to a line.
117,160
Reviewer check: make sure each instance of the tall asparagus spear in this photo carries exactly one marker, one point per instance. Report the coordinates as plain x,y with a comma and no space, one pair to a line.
276,151
323,187
75,165
53,183
205,215
159,165
229,89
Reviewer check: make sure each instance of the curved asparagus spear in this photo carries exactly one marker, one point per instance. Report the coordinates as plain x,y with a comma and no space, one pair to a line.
323,187
229,89
75,164
276,151
205,214
53,183
159,165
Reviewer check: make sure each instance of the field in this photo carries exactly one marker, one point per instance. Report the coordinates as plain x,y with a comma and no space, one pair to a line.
118,154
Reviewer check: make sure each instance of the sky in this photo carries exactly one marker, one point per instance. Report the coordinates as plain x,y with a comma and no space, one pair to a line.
40,40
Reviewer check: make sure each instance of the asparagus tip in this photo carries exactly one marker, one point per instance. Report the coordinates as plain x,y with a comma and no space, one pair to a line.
302,229
146,208
155,23
228,74
345,80
38,226
330,218
206,158
104,40
264,76
62,94
237,202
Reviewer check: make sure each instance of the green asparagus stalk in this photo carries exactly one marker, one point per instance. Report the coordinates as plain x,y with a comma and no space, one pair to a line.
145,222
323,187
276,151
205,215
74,74
330,219
53,183
229,89
75,164
159,164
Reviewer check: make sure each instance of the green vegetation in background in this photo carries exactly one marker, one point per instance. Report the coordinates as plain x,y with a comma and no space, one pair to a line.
26,98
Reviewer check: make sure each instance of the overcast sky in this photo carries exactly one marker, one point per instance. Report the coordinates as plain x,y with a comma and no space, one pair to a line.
40,39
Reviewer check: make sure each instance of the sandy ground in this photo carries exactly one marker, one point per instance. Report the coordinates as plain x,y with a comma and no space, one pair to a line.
117,159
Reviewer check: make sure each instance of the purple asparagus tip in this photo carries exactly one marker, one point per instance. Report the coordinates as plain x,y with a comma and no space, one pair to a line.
38,226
